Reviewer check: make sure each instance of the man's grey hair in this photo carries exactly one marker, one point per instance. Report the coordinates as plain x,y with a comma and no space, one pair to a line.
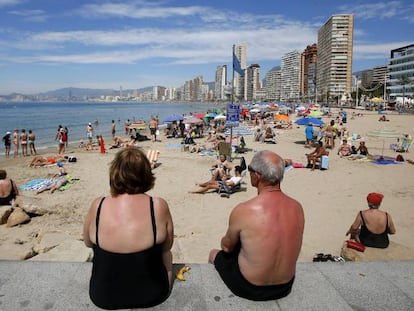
271,173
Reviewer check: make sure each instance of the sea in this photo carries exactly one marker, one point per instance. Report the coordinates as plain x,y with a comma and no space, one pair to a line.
43,118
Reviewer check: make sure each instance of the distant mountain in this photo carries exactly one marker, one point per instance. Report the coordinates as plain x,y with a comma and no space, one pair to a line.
70,92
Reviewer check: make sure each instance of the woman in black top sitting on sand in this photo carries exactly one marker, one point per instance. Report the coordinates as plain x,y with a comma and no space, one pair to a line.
372,226
131,234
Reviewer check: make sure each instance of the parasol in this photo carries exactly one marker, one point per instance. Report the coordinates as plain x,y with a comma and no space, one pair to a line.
306,121
172,118
384,133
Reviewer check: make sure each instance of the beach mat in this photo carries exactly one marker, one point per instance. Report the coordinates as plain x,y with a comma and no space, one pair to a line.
70,183
385,162
36,184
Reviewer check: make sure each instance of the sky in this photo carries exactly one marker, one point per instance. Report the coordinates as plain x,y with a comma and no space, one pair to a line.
48,44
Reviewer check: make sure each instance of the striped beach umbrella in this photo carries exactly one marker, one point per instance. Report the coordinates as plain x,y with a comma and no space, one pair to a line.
384,133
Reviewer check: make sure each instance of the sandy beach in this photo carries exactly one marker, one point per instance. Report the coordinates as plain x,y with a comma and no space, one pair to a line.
330,198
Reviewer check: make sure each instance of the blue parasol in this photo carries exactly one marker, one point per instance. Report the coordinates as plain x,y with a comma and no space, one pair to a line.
172,118
306,121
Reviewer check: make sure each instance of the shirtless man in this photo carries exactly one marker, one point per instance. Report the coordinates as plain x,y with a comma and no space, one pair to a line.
315,155
153,126
264,237
23,142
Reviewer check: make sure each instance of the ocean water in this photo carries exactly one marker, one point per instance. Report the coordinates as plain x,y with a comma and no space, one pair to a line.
43,118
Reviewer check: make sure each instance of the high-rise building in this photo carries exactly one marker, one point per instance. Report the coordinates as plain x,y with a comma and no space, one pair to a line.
273,81
220,82
334,69
240,87
308,72
401,67
253,82
290,76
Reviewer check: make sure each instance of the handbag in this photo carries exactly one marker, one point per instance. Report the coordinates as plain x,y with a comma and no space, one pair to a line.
355,245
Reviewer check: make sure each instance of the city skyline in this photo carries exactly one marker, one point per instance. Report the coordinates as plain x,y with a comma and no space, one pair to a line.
46,45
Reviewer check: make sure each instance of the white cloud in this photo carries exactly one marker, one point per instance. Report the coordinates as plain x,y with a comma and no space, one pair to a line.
4,3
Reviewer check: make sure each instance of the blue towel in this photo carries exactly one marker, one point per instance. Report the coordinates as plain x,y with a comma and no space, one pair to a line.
36,184
385,162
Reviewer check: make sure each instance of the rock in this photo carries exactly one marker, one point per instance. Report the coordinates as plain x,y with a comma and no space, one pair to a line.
70,250
17,217
49,240
5,212
16,251
34,209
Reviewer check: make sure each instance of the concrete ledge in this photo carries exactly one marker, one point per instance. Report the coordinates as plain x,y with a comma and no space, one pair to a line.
318,286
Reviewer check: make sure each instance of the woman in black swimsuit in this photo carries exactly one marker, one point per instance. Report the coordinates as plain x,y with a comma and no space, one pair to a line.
372,226
131,234
8,189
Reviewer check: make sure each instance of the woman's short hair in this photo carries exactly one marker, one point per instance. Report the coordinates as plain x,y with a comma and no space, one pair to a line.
3,174
130,172
271,172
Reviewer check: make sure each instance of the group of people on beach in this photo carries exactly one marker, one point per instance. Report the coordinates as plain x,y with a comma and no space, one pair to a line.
22,140
259,250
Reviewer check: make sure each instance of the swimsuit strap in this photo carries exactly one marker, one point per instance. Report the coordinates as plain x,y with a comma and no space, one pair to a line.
98,214
386,226
363,221
154,226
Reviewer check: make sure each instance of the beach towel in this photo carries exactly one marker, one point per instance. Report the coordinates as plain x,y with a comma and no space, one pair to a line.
36,184
69,184
385,162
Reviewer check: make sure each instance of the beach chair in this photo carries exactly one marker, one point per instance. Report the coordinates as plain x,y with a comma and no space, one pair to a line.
226,190
405,145
152,156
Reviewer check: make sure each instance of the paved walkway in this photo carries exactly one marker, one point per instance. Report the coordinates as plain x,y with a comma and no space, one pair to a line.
318,286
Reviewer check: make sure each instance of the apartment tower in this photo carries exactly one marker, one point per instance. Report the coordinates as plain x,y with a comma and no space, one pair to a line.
334,70
290,75
240,86
220,82
308,72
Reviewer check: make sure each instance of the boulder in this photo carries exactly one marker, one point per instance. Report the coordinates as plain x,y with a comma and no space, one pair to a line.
5,211
70,250
17,217
16,251
48,240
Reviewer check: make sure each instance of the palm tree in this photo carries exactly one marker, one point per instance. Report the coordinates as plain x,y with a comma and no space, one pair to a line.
403,81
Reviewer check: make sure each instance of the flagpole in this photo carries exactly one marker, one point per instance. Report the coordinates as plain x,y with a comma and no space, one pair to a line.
232,79
232,97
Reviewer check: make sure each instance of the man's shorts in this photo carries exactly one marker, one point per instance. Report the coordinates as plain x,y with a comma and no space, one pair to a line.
228,267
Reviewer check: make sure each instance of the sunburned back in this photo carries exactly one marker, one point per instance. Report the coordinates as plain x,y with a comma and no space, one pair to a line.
269,252
5,187
375,220
125,224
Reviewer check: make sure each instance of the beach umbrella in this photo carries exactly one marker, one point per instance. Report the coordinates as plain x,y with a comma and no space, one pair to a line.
172,118
220,117
315,113
281,117
199,115
192,120
211,115
377,100
306,121
254,110
384,133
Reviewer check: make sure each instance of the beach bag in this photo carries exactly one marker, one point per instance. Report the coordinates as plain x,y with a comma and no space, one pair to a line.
355,245
399,158
72,159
